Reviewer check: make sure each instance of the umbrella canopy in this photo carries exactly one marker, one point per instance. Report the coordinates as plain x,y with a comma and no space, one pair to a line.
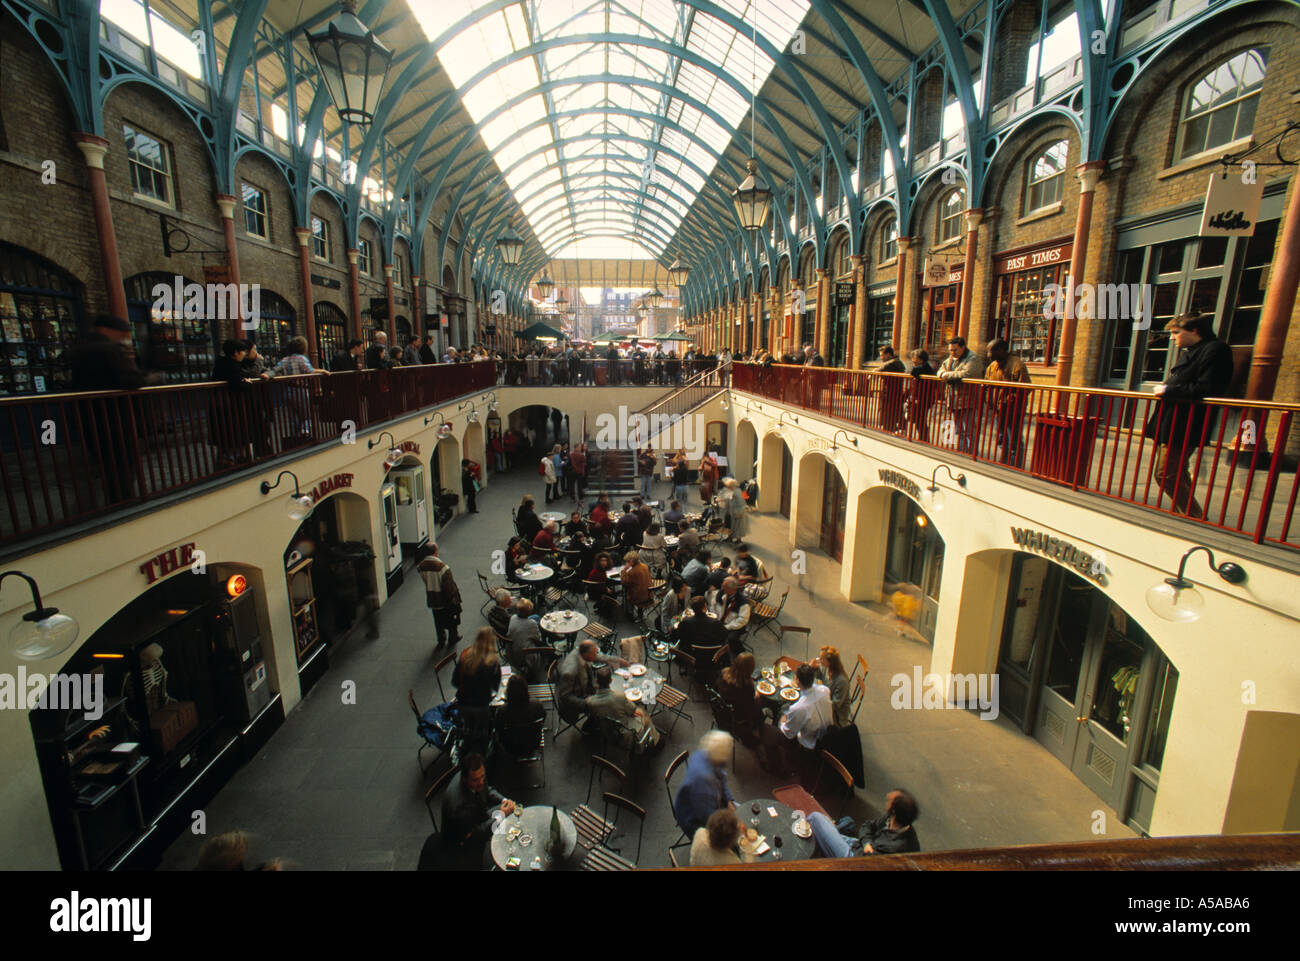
538,331
675,335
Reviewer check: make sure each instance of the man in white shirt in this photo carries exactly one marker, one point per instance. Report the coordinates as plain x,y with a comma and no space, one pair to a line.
732,609
809,716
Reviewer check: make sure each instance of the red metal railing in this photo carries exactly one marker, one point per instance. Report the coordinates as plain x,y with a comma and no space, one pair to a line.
1118,444
562,372
68,458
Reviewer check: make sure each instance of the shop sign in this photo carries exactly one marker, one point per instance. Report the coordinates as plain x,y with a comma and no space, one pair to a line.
889,290
1044,257
409,447
1086,564
330,283
901,481
843,294
942,269
1231,206
167,562
817,443
329,486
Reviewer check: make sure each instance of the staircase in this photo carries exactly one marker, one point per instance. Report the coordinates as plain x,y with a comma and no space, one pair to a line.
613,472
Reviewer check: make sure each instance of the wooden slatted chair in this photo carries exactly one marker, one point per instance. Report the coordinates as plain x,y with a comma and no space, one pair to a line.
859,664
436,788
673,701
677,762
602,635
600,857
840,772
448,658
763,615
855,697
756,591
593,829
672,858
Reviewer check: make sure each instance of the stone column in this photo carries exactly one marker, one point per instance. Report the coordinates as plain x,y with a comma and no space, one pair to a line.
858,340
392,304
308,308
1088,174
355,292
973,218
93,149
226,204
822,334
904,313
417,316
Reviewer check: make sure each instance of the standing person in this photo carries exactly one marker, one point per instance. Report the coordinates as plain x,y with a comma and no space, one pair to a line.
377,353
806,719
921,395
254,364
724,367
681,477
578,459
891,833
891,390
708,478
510,444
228,414
427,355
469,486
348,359
960,365
442,596
704,790
1009,404
103,361
547,470
477,674
812,358
645,469
1182,422
733,509
497,450
411,356
526,519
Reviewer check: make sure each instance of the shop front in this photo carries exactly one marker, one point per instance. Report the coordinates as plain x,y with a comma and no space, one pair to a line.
1020,279
41,315
841,311
180,344
835,508
177,690
941,303
787,480
880,323
329,567
913,564
1080,675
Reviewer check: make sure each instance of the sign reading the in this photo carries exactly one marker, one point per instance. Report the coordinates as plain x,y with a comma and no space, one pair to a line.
167,562
329,485
1231,207
843,294
901,481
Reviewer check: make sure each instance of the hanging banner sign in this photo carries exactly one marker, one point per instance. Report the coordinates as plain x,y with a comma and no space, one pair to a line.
1231,207
843,294
942,269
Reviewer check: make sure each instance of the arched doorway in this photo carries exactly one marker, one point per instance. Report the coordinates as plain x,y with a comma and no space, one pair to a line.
444,467
1082,676
897,557
42,312
776,474
411,501
330,568
743,464
277,322
183,348
178,676
473,445
823,505
331,330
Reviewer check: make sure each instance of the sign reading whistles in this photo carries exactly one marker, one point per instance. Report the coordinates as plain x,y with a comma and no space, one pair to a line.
167,562
1086,564
329,485
901,481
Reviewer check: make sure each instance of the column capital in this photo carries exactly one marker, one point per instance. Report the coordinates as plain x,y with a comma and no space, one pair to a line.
907,243
303,234
974,217
226,204
822,273
93,148
353,254
1088,174
415,279
388,271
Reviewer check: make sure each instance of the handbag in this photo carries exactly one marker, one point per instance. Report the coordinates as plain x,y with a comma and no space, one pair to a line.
477,486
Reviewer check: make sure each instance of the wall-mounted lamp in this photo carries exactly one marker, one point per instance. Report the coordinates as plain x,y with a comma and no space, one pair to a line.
936,494
43,632
299,505
781,420
491,399
847,436
752,404
1176,598
472,416
393,456
444,429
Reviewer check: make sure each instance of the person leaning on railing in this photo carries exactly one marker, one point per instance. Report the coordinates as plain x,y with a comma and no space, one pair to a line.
1009,405
1182,422
960,365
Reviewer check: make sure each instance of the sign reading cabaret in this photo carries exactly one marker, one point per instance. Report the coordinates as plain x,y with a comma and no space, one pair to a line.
901,481
329,485
1065,552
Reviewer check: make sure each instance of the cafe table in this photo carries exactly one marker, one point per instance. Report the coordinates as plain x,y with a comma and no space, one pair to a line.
533,576
776,702
525,834
556,516
623,678
775,820
563,623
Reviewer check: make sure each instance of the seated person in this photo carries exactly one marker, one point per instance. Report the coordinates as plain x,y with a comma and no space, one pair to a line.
575,525
499,614
636,580
654,547
544,543
676,601
716,842
600,522
746,565
688,540
598,590
581,554
704,790
733,611
627,531
696,573
639,734
516,557
806,719
736,686
697,631
524,633
830,671
891,833
516,719
467,812
673,517
718,573
573,680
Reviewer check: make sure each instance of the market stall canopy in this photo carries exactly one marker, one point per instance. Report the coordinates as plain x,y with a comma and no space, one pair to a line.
539,331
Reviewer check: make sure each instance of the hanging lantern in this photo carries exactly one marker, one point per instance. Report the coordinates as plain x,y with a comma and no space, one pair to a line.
753,199
510,246
353,65
545,285
655,298
678,272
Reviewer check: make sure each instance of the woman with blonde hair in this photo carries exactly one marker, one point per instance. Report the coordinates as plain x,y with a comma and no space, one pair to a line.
478,671
831,670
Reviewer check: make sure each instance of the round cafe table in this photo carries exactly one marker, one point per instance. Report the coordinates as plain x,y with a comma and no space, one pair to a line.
620,683
793,847
670,540
556,623
556,516
534,573
535,822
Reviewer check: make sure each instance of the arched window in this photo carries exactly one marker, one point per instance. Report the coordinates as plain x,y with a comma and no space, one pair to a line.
275,323
889,240
950,214
183,347
1220,107
331,330
1045,177
840,263
41,311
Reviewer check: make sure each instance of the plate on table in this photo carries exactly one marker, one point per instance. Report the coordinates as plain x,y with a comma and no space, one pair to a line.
520,571
790,693
637,669
766,688
802,829
632,693
622,672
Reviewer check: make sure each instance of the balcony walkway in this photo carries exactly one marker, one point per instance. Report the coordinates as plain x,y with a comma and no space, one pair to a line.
337,787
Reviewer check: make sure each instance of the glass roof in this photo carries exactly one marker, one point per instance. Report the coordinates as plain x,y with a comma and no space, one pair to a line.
609,130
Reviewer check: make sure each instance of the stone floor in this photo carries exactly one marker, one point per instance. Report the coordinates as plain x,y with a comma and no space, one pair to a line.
338,786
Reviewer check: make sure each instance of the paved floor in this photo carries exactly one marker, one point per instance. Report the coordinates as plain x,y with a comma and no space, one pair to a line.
338,786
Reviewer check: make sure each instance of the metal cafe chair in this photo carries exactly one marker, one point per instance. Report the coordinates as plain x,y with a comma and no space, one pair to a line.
534,756
425,732
601,858
677,762
436,788
807,638
592,828
856,697
860,663
442,662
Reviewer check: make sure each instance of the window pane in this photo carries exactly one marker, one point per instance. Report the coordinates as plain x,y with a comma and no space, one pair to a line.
1162,708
